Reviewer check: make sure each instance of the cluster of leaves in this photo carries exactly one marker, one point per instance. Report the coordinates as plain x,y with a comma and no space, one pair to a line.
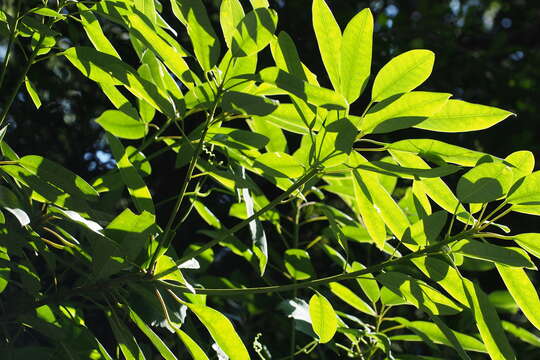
388,225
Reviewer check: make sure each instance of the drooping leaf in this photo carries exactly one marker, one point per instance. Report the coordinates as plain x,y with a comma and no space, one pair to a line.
126,341
298,264
107,69
164,351
522,290
484,183
192,13
356,49
402,74
194,349
530,242
367,282
329,39
10,202
402,111
364,204
351,298
122,125
521,333
50,171
254,32
94,32
462,116
418,293
323,318
32,92
221,330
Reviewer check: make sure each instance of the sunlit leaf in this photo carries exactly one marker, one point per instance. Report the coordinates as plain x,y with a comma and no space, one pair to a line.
526,191
298,264
122,125
254,32
402,74
351,298
510,256
323,318
484,183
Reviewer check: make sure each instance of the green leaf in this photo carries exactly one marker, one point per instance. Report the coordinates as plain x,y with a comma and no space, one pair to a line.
418,293
277,140
440,152
254,32
122,125
56,174
192,13
462,116
523,291
351,298
107,69
243,103
488,324
329,40
221,330
278,164
10,202
503,301
356,49
132,179
364,205
32,92
5,268
530,242
402,74
94,32
230,15
367,282
298,264
521,333
126,341
310,93
164,351
484,183
172,57
48,12
286,117
510,256
433,333
521,164
167,269
323,318
425,231
402,111
194,349
526,191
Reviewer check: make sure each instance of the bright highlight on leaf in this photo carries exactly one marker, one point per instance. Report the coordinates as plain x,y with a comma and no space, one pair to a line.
323,318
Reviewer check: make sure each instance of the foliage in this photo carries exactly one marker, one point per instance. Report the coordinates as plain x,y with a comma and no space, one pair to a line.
328,225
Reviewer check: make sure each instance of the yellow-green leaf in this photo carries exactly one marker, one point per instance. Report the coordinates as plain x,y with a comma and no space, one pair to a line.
329,39
323,318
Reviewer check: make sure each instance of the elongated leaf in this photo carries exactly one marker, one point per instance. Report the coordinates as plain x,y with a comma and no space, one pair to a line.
503,255
221,330
527,191
461,116
524,293
439,152
126,341
94,32
32,92
56,174
10,202
238,102
107,69
425,231
365,208
323,318
194,349
329,39
132,179
298,264
286,117
310,93
165,352
530,242
5,268
488,324
484,183
402,111
205,42
170,55
418,293
230,15
351,298
277,164
432,332
122,125
254,32
521,333
356,49
402,74
367,282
